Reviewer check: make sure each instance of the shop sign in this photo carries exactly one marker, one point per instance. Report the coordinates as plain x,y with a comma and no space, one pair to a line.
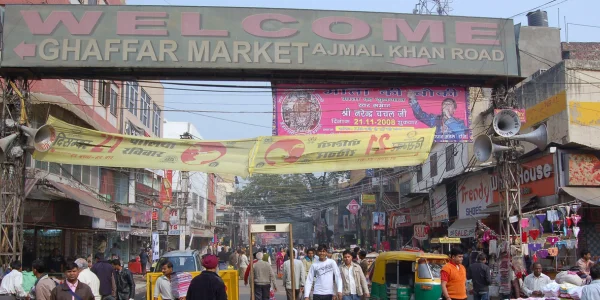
474,195
125,227
174,229
438,201
461,233
98,223
378,221
536,178
166,188
445,240
584,170
155,246
421,232
403,218
353,207
174,216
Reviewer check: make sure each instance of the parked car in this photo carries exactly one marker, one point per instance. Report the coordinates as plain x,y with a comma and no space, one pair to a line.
183,261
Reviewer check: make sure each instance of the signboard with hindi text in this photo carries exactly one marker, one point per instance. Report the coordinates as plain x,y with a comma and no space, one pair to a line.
325,110
150,41
265,155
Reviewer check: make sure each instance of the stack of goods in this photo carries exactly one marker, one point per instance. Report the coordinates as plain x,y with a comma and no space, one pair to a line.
180,283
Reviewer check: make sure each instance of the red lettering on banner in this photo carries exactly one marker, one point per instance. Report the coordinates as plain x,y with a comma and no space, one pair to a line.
84,27
475,194
253,25
391,26
128,22
359,28
466,32
191,25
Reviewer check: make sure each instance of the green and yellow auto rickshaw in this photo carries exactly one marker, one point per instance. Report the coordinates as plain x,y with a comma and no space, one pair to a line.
406,275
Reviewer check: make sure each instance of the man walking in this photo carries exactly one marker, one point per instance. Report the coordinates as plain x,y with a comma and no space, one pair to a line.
323,272
124,281
144,261
12,283
481,276
354,281
163,283
72,288
223,258
105,272
299,277
234,260
42,290
88,277
208,285
364,263
244,262
264,278
454,277
308,259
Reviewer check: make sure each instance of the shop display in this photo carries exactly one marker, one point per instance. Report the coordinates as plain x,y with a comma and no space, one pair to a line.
48,240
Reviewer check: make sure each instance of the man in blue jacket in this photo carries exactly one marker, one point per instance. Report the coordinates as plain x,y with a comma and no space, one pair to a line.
104,270
446,123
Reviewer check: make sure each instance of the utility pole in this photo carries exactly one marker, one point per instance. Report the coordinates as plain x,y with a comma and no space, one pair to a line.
379,200
185,189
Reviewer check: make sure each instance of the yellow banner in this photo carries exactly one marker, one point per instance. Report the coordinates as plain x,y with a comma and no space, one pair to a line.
266,155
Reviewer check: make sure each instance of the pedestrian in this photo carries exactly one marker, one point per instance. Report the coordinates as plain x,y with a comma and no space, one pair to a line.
592,291
353,279
124,281
88,277
264,278
207,285
144,261
234,260
243,263
247,275
42,290
105,272
323,272
308,259
223,259
279,260
162,287
55,262
299,278
72,288
454,277
481,276
364,263
12,283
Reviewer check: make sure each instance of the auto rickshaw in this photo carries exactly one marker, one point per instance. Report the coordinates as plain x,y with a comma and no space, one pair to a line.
406,275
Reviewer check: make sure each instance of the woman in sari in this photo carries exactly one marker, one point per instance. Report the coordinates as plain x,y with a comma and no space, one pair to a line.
279,261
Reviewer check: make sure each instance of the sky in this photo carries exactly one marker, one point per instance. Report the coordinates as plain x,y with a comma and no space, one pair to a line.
216,114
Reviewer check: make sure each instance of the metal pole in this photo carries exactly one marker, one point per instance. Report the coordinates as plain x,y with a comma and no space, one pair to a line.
251,279
379,208
185,182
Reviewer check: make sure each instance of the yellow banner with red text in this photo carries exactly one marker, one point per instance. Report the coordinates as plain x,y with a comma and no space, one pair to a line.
265,155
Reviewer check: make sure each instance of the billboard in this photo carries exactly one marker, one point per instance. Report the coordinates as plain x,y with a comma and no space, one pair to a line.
584,170
536,177
328,110
474,194
124,40
378,221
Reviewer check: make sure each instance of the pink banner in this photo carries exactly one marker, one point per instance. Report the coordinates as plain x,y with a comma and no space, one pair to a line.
325,110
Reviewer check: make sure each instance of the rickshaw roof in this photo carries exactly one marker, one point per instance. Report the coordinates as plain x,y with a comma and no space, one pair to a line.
408,255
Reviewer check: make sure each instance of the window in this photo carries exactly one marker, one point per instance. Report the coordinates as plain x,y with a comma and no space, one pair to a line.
419,173
450,157
92,2
55,168
103,93
76,172
433,165
156,121
86,175
145,108
88,86
131,95
113,102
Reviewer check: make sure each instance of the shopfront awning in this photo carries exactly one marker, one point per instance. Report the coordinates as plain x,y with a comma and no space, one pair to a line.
586,194
463,228
494,208
89,205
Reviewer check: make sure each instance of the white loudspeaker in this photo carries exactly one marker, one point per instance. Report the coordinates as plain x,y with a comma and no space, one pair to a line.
538,137
4,143
42,138
484,148
506,123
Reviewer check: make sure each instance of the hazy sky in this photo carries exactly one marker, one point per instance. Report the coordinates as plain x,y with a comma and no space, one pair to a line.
260,103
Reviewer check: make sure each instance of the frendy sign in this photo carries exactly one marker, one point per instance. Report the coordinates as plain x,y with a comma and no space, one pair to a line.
79,36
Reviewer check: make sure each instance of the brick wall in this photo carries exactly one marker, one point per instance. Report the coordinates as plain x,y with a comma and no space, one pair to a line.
581,51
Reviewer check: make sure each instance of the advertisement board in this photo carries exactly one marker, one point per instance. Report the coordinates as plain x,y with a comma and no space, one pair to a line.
474,194
368,199
584,170
378,221
438,203
128,39
421,232
166,188
328,110
535,178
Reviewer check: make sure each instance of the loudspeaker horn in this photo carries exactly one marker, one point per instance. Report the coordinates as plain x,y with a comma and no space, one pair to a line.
538,137
506,123
4,145
484,148
42,138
